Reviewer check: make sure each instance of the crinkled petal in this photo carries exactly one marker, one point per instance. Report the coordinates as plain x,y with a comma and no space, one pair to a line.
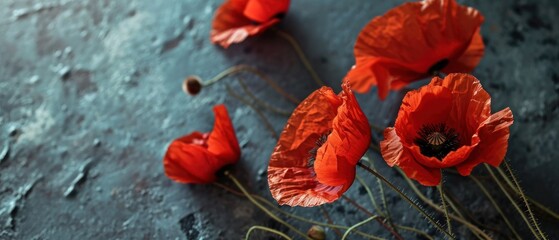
494,135
471,104
196,157
336,159
411,38
394,153
222,141
231,26
264,10
427,105
291,176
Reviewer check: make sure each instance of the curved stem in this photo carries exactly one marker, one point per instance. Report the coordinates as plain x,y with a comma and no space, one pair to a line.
370,193
410,229
426,200
379,220
267,230
523,197
496,206
261,75
301,55
291,215
528,223
259,101
348,231
249,196
260,114
327,216
440,188
530,200
405,197
382,194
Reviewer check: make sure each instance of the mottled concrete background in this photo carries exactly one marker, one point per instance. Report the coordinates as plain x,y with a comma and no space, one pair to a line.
91,96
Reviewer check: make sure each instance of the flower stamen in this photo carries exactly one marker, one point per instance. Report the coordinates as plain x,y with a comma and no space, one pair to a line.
437,140
319,142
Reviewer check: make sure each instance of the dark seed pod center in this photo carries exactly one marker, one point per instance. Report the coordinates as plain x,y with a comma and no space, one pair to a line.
192,85
319,142
437,140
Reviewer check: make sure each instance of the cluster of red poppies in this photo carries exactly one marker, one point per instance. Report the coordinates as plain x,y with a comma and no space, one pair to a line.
447,123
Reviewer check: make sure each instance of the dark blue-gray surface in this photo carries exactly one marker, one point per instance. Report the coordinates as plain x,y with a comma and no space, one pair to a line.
91,97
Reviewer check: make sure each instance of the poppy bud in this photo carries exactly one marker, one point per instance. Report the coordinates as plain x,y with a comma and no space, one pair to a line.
316,233
192,85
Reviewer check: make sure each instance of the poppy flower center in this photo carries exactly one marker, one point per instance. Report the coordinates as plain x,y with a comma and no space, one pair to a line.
437,140
437,67
319,142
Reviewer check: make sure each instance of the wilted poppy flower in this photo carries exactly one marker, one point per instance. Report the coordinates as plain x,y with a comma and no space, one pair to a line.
414,40
235,20
314,160
196,157
447,123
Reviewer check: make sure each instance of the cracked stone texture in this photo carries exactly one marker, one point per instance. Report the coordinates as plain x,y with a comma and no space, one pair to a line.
91,97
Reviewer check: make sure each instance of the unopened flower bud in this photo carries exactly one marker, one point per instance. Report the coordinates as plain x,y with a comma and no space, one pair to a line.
192,85
316,233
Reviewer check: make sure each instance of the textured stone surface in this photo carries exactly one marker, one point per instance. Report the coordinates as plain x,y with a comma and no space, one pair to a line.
91,97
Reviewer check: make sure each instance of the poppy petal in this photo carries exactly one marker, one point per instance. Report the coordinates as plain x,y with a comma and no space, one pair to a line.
231,26
196,157
187,163
291,176
494,134
409,40
264,10
349,140
196,138
471,103
470,58
417,110
222,141
394,153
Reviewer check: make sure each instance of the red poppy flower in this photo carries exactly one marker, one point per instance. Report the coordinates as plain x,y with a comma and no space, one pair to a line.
447,123
314,160
412,41
235,20
196,157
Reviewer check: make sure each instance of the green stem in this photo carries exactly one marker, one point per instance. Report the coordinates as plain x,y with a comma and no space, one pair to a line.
261,75
288,214
370,193
260,114
355,204
523,197
405,197
327,216
426,200
250,198
530,200
261,102
440,188
410,229
534,232
382,195
301,55
250,230
492,200
348,231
